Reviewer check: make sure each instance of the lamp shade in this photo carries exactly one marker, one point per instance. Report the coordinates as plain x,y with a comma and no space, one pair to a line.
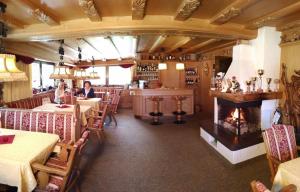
162,66
179,66
9,70
81,74
94,75
61,72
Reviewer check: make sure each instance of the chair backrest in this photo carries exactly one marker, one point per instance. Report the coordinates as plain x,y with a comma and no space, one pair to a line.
115,102
70,99
62,124
280,142
46,100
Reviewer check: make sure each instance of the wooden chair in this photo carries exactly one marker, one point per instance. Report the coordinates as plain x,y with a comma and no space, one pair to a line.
257,186
96,121
61,170
113,107
280,143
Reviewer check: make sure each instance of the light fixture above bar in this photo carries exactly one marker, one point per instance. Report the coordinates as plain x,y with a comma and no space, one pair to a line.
179,66
162,66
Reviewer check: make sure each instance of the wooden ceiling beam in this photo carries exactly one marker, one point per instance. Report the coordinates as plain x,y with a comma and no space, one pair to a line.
138,9
39,13
186,9
289,25
108,62
276,15
89,8
231,11
150,25
179,44
200,45
12,21
160,39
229,44
50,50
114,45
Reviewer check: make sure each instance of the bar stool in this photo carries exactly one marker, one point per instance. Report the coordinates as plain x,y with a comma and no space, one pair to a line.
156,113
179,113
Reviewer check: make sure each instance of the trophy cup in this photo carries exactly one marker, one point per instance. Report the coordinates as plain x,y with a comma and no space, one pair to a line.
248,83
260,74
269,80
276,82
253,81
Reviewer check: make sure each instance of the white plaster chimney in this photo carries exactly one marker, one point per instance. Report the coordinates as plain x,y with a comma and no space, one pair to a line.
260,53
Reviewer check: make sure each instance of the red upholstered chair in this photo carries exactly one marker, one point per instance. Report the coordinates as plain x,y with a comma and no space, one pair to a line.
257,186
280,143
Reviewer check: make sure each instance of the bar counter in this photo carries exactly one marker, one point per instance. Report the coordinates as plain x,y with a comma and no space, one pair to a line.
142,105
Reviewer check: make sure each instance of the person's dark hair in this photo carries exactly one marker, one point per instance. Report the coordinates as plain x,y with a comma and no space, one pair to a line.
61,80
88,82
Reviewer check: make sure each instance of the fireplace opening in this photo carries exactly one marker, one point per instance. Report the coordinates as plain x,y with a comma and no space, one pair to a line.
239,118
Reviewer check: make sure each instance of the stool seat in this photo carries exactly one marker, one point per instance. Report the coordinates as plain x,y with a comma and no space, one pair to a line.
156,113
179,112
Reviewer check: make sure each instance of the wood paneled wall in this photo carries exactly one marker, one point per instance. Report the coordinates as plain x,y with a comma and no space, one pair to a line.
290,56
207,62
18,90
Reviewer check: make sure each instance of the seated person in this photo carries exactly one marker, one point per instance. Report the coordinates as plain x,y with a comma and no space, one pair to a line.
59,93
87,91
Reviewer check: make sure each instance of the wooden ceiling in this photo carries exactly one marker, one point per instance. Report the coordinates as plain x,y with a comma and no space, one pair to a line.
177,26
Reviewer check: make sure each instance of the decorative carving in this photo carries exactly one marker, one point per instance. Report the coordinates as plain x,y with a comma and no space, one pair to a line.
228,14
89,9
289,26
40,15
186,9
138,9
262,22
290,36
292,95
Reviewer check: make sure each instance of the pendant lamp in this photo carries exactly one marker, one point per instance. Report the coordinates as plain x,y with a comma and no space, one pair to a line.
9,70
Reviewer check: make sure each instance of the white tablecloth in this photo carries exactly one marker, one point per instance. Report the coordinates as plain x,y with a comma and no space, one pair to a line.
15,158
288,173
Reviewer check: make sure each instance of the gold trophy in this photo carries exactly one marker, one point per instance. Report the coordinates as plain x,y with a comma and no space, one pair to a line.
248,83
260,74
253,81
269,80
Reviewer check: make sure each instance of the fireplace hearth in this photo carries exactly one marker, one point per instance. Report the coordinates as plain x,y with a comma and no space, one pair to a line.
239,118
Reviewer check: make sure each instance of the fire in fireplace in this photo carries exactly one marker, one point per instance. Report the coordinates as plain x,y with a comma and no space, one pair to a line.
239,118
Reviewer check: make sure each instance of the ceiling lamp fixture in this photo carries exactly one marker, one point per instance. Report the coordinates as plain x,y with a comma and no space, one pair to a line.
162,66
179,66
94,75
60,71
8,68
80,74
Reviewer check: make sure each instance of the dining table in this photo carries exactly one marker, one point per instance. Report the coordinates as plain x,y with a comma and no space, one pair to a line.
16,158
85,110
93,102
287,173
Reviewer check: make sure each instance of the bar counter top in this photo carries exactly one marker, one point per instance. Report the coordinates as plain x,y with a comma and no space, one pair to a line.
162,91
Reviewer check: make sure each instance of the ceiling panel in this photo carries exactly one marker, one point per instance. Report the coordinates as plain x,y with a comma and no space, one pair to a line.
162,7
113,7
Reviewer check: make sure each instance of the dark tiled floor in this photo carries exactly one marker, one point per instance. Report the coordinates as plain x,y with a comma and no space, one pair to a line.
139,157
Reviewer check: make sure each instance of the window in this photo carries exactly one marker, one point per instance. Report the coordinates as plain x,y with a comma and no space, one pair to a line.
41,72
36,75
47,70
118,75
101,72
